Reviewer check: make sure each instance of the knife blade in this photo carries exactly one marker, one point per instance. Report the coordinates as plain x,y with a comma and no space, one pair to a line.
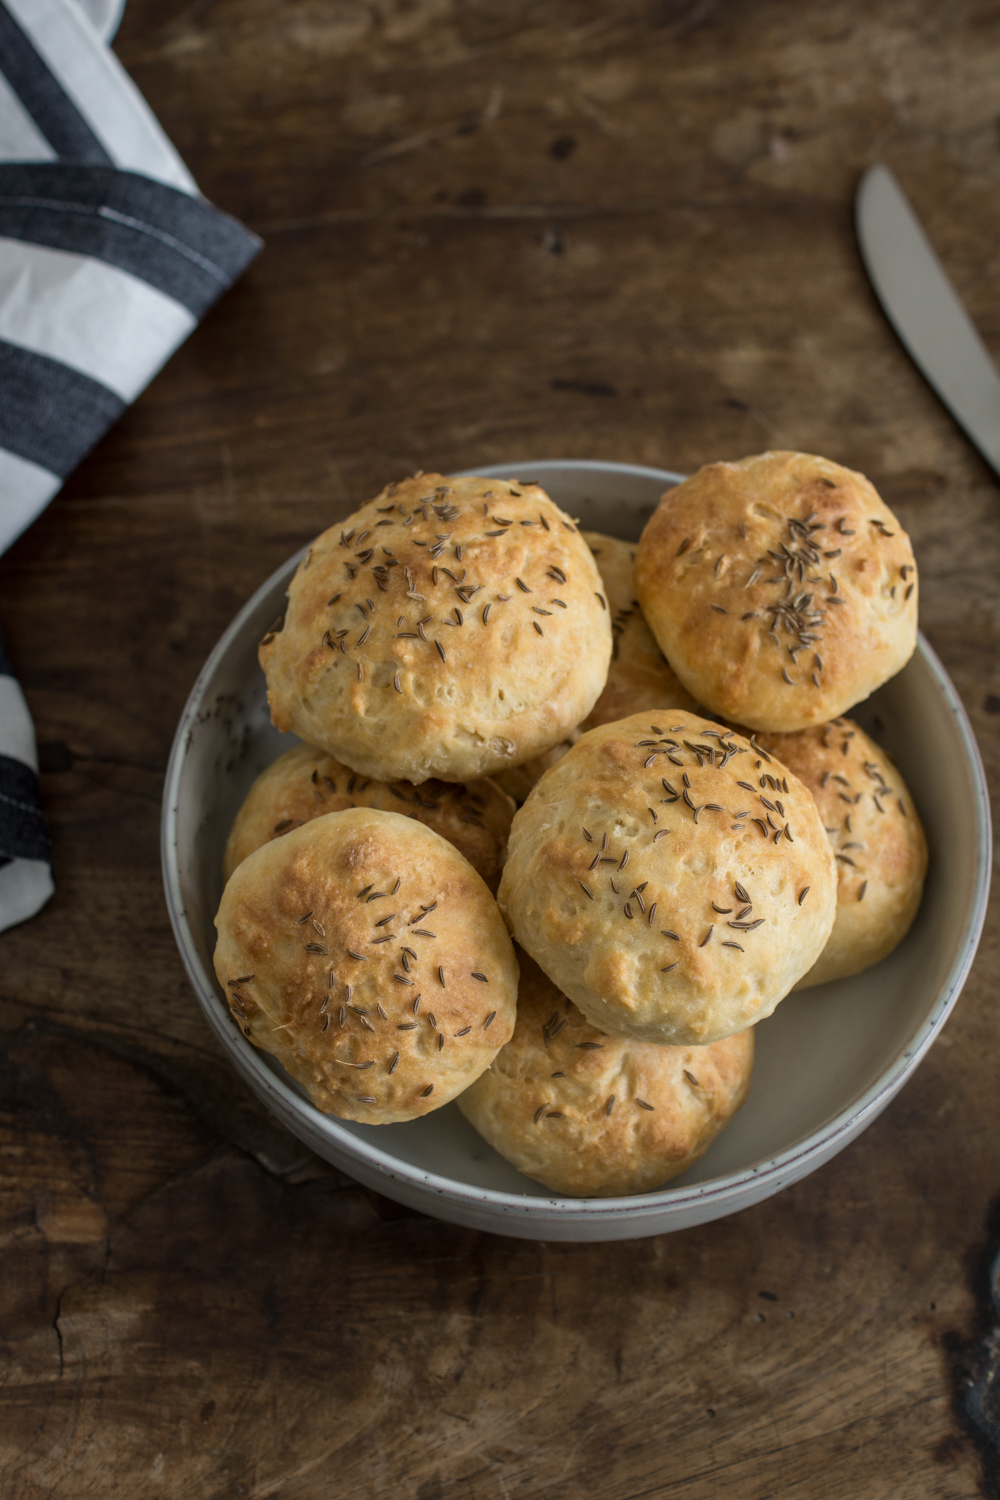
924,309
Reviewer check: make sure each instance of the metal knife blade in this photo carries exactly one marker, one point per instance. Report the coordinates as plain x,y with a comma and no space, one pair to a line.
923,307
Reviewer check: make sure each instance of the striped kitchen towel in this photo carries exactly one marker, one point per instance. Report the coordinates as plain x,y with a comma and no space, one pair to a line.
25,873
104,15
108,259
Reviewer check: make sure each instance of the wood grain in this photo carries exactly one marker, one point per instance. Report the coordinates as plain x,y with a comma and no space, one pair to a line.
617,230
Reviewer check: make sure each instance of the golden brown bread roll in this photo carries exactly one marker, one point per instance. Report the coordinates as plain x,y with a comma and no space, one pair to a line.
365,954
593,1115
672,879
781,589
639,677
449,628
306,783
518,781
877,840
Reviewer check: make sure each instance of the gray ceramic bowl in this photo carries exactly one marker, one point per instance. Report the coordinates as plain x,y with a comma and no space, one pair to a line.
828,1061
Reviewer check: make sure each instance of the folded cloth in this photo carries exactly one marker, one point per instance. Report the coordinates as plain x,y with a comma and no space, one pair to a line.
104,15
108,259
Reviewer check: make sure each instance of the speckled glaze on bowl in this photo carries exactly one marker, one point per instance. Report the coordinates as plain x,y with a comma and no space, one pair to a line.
828,1061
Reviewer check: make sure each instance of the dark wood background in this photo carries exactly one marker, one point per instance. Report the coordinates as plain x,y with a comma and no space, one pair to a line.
493,231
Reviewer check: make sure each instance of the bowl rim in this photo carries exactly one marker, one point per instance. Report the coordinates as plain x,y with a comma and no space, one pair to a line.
760,1177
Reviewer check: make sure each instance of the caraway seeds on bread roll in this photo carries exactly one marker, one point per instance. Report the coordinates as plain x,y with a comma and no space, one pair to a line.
450,628
639,676
306,783
781,589
877,839
671,878
365,954
598,1116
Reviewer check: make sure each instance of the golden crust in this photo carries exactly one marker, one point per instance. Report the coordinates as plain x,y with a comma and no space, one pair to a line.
378,1016
306,783
781,589
592,1115
707,929
518,781
449,628
877,840
639,677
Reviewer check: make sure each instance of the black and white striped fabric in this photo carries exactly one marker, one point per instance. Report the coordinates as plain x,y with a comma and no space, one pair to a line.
25,872
108,259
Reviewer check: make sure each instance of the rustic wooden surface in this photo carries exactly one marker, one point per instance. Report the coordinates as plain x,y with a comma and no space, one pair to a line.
540,228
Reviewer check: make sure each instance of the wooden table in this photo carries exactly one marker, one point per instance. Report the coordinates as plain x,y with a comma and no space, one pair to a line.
617,230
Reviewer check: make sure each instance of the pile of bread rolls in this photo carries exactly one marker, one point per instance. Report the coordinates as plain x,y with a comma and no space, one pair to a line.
702,830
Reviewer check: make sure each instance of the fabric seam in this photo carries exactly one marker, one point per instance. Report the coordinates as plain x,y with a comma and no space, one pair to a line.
128,222
36,812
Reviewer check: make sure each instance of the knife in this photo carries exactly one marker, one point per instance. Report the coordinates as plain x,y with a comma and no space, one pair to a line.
923,307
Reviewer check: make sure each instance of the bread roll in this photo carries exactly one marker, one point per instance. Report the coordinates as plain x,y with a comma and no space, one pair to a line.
306,783
366,955
450,628
876,836
639,677
670,878
780,588
518,781
598,1116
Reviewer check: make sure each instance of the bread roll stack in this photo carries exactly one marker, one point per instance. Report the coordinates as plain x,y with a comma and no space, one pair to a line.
702,831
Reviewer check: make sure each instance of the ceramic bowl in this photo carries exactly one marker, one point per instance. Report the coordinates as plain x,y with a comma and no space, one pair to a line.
828,1061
